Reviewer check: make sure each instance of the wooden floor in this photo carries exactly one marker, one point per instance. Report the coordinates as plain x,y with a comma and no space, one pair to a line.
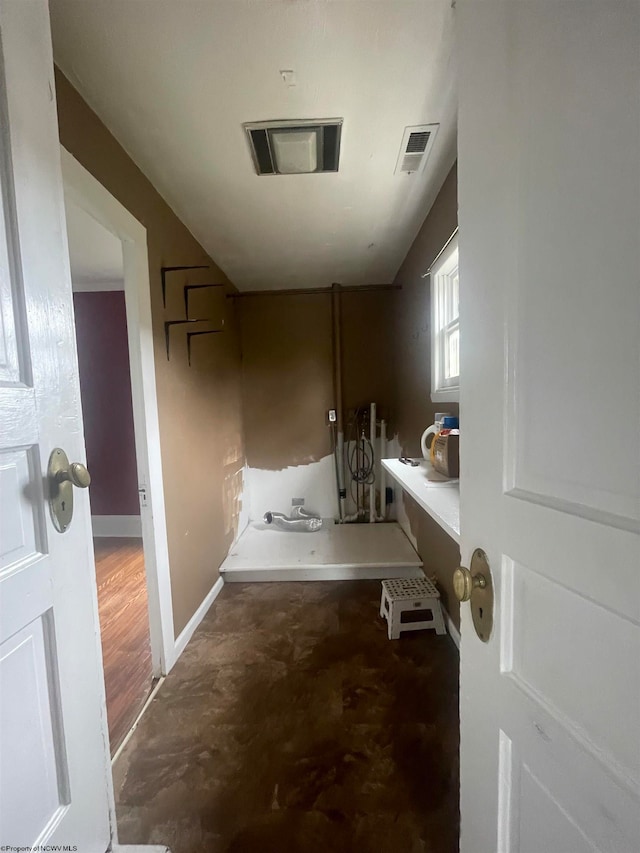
124,624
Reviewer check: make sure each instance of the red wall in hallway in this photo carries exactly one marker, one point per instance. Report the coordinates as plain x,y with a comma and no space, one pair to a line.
103,356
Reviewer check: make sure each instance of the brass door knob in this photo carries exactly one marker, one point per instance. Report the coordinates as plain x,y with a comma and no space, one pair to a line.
464,583
77,474
476,584
63,476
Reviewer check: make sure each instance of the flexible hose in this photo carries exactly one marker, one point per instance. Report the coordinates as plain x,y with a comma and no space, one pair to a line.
301,512
302,525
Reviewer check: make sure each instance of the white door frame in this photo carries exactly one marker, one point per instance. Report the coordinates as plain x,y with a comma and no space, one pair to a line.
88,193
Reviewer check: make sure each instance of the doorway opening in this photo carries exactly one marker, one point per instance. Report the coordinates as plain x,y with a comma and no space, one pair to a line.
110,275
97,277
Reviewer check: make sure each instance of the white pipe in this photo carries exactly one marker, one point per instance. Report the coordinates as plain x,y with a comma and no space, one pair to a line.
372,487
383,472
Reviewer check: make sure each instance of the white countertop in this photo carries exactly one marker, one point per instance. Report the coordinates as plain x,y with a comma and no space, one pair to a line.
440,499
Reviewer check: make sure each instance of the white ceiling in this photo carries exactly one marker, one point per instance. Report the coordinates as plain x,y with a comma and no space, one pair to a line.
95,254
175,79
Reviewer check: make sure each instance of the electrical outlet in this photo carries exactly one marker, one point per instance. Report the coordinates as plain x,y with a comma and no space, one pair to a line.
297,501
333,416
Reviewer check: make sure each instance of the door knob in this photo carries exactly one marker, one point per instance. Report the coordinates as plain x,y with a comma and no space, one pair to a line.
475,584
62,476
464,583
77,474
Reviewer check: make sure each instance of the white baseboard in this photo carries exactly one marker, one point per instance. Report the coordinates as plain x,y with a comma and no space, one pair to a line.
189,629
150,698
123,526
139,848
451,628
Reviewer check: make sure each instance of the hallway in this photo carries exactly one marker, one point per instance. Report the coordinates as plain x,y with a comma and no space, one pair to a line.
291,723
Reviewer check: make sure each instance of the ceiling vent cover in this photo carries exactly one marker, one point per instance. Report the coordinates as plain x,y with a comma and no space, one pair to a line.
295,147
417,143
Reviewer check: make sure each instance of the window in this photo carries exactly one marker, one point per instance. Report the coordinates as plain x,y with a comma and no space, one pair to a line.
445,325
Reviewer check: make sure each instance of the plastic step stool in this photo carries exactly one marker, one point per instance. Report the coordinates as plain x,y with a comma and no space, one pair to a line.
402,595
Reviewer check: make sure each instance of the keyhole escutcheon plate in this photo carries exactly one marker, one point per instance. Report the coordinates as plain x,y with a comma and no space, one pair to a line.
60,491
482,599
61,478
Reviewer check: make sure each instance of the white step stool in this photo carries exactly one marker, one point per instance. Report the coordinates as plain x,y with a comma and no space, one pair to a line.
400,595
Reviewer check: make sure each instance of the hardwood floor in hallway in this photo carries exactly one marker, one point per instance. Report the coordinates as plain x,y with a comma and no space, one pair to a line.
291,723
124,627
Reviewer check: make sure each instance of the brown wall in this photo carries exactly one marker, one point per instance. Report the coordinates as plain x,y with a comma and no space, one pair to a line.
368,367
199,407
412,356
287,380
287,370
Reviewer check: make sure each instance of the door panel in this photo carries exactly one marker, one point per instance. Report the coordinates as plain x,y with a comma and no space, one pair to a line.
570,343
54,768
22,525
600,806
11,314
542,823
538,609
549,209
34,791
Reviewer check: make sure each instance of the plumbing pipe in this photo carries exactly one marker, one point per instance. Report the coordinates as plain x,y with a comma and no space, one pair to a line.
354,516
336,456
336,322
372,441
315,291
342,489
383,472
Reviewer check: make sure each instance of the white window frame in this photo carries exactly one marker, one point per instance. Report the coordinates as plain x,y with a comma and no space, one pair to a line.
443,390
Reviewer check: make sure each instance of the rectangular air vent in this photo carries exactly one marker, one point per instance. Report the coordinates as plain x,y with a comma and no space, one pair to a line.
416,146
295,147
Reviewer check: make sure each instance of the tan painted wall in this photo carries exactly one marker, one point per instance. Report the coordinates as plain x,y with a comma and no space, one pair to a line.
412,358
287,370
199,407
287,380
368,371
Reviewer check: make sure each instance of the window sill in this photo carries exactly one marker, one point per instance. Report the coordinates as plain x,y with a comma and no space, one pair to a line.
450,395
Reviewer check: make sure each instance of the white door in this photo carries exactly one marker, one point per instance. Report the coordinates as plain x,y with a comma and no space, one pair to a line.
53,755
549,207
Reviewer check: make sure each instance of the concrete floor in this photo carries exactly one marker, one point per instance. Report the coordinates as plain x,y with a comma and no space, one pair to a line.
291,723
